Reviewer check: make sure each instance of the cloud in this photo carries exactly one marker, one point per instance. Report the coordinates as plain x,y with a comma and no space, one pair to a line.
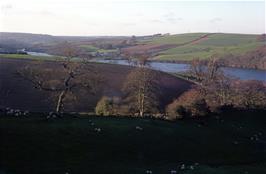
171,17
156,21
126,24
174,19
46,13
6,7
215,20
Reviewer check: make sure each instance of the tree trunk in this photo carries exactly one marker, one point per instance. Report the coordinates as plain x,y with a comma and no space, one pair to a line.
60,101
142,105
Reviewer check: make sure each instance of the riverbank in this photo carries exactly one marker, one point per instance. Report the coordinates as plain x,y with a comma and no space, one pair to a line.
165,66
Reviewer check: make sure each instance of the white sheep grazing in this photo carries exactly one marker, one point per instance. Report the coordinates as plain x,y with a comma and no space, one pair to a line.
139,128
182,167
236,142
148,171
173,172
191,167
11,111
97,129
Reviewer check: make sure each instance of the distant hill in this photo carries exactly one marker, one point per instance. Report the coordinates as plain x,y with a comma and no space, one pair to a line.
44,42
176,48
203,45
234,50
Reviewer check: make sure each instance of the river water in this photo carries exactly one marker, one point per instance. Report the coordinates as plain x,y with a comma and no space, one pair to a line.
241,73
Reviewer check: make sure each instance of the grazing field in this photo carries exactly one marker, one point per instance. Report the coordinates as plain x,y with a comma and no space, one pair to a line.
26,56
231,144
204,45
18,93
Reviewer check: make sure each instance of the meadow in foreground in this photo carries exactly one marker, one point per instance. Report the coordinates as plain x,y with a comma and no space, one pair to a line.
219,144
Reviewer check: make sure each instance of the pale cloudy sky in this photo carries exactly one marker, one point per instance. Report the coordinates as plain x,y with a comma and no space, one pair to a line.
129,17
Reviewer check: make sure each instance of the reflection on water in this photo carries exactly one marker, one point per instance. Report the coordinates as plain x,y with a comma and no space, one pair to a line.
241,73
38,54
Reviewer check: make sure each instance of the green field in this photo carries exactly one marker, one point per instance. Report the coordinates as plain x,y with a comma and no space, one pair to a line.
89,48
220,145
176,39
26,56
219,43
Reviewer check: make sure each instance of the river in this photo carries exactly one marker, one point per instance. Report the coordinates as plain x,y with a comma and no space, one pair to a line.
241,73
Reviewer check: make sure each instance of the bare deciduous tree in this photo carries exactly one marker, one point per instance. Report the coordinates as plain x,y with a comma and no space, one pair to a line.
215,86
142,89
63,78
197,69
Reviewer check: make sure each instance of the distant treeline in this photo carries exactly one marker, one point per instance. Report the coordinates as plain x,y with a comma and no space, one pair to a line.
253,59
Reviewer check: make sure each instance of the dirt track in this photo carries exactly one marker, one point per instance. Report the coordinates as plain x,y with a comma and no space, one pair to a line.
19,94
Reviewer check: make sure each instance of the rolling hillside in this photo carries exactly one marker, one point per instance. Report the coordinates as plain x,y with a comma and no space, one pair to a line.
18,93
204,45
177,48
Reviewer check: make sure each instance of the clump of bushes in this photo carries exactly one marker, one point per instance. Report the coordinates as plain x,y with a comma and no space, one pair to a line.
104,106
202,100
111,106
190,104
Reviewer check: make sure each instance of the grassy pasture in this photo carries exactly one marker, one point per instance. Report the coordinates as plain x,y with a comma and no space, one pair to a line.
204,48
26,56
220,145
176,39
89,48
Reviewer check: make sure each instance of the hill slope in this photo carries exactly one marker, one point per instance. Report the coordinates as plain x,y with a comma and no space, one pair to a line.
204,45
20,94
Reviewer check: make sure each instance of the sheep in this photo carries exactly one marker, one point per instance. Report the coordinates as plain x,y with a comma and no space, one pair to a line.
97,129
25,112
10,112
183,167
51,115
139,128
191,167
148,171
236,142
173,172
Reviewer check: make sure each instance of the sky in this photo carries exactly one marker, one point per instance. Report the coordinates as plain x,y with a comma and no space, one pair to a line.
131,17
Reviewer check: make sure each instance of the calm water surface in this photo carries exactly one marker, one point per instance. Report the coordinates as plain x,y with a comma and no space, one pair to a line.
241,73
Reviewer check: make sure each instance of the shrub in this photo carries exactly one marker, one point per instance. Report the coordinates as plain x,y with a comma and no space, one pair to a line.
199,107
175,111
191,103
104,106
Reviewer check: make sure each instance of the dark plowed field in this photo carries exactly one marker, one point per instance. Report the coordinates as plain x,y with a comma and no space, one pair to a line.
20,94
